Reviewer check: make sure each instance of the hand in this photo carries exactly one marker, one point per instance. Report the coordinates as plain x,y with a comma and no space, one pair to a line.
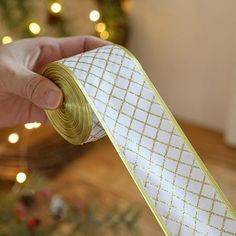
24,93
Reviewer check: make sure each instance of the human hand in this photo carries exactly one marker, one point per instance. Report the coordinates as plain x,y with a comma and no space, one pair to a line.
24,93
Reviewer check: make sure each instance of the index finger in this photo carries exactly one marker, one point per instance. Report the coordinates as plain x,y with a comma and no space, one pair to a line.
53,49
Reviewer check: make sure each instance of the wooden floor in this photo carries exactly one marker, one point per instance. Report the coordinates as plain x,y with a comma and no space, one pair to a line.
99,172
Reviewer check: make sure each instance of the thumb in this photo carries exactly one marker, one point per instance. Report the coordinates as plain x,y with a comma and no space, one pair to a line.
38,89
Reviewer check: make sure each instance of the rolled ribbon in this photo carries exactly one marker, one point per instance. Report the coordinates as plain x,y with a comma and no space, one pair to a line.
106,91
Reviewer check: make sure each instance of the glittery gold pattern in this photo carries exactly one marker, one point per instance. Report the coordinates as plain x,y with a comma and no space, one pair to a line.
106,91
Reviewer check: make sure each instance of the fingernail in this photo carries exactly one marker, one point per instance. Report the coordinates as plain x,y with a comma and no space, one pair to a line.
53,99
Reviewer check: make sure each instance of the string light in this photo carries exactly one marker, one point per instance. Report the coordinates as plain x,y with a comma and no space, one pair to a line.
6,39
56,7
33,125
21,177
104,35
100,27
13,138
94,15
34,28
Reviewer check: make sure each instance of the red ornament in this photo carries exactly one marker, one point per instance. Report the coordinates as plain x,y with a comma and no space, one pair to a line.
33,223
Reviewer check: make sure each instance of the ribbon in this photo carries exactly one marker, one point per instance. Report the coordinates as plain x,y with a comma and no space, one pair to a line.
106,91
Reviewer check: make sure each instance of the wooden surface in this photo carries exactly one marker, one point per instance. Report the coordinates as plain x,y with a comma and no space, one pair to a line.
99,172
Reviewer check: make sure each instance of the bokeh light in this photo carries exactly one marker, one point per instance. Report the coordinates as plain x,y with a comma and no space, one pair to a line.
13,138
33,125
21,177
56,7
100,27
6,39
94,15
104,35
34,28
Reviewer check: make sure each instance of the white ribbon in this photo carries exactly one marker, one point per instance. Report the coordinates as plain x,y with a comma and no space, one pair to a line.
172,178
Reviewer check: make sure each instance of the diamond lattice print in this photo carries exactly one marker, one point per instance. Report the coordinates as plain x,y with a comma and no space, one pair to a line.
174,182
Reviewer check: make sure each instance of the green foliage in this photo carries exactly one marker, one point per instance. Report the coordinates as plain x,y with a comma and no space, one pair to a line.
25,211
17,14
116,20
114,221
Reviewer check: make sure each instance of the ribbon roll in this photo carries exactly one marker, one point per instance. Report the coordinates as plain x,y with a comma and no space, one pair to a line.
106,91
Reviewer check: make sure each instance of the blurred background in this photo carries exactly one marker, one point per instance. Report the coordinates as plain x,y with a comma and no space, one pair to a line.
188,50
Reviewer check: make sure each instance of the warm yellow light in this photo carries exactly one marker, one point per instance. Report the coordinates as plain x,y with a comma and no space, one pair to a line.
13,138
6,39
55,7
21,177
100,27
33,125
34,28
104,35
94,15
